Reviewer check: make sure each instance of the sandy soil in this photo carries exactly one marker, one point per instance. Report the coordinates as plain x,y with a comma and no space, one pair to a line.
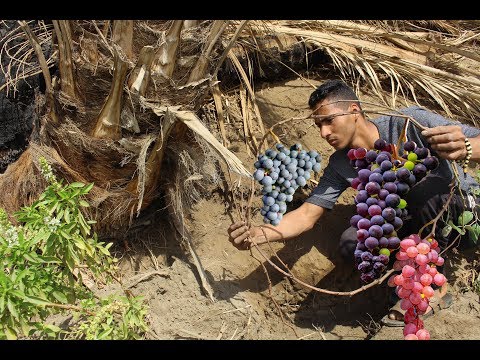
245,303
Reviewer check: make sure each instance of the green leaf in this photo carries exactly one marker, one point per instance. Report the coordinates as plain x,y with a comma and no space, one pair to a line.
65,235
460,231
52,328
25,327
51,211
60,297
67,215
77,185
104,334
2,304
12,309
36,300
17,293
104,251
87,188
40,236
83,203
474,233
447,229
70,262
465,218
10,333
60,214
49,259
80,244
30,258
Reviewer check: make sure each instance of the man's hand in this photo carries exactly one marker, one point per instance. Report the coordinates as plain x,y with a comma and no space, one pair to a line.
448,141
238,235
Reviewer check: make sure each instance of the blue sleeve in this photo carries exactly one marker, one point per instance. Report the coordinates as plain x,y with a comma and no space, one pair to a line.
329,188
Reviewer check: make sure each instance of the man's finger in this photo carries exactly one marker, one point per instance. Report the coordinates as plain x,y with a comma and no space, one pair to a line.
241,238
445,138
439,130
235,226
448,146
449,155
238,232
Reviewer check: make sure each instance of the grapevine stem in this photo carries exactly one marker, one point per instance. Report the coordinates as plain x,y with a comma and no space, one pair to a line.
324,291
434,221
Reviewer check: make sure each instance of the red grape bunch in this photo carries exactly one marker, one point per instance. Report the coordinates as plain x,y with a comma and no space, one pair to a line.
383,180
418,260
281,171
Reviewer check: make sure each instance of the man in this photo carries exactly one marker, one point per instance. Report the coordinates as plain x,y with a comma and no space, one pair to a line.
338,113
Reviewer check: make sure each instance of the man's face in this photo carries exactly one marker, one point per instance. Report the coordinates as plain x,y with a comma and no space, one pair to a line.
337,129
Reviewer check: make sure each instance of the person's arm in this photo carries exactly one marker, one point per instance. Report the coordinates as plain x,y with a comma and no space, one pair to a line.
292,224
449,142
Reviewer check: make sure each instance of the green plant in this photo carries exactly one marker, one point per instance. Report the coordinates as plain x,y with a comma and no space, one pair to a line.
116,318
42,261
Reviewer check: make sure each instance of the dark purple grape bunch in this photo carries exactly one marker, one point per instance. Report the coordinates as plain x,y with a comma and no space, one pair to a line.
383,181
281,171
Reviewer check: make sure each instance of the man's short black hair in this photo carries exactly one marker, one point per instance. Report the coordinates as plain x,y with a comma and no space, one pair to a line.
333,90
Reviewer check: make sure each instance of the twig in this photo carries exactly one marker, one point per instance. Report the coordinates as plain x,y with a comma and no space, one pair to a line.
222,330
234,333
69,307
103,41
153,334
434,221
280,312
451,244
152,256
192,334
307,335
233,310
145,276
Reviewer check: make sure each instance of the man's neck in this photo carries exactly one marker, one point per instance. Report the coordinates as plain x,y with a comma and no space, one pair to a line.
366,135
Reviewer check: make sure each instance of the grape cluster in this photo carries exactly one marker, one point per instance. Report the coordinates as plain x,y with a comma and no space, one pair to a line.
417,259
384,178
281,171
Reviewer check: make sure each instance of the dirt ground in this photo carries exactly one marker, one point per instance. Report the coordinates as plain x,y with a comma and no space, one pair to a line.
245,302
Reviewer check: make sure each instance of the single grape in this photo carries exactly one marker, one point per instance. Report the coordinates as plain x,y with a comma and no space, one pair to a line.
420,171
362,209
259,174
372,188
387,228
421,152
364,174
403,174
376,177
377,220
410,146
389,176
431,162
360,153
412,157
351,154
371,242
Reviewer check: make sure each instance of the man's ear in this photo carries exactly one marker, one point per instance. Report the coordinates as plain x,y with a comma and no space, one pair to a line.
354,107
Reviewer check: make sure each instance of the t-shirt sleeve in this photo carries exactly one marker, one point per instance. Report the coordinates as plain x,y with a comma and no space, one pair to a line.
329,188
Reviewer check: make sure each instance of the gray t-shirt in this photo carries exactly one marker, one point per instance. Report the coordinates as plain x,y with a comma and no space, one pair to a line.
339,173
